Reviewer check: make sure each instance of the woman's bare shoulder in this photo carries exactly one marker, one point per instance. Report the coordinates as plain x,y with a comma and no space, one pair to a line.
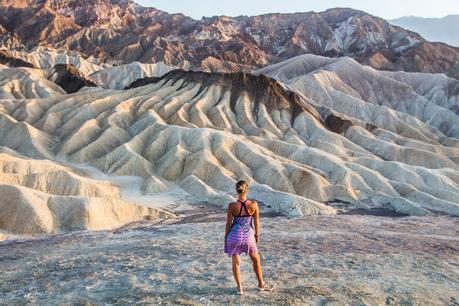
231,205
254,202
253,206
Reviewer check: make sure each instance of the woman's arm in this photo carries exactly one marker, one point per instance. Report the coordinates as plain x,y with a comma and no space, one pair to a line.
229,220
256,221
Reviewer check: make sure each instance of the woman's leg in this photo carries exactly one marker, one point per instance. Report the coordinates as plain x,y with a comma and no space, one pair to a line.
257,267
237,270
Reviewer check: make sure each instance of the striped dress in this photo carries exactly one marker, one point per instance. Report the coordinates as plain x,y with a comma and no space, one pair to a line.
241,237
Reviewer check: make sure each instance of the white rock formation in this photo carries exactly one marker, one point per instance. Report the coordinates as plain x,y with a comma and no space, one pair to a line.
416,126
407,103
27,83
119,77
204,131
43,197
106,75
47,58
27,211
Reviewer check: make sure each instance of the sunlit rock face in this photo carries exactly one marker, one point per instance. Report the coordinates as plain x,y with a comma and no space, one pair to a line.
122,32
302,146
120,77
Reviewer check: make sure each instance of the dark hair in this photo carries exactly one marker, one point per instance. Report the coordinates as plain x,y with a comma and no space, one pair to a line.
241,186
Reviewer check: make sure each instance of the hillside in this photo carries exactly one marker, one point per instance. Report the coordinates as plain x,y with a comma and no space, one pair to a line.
122,32
329,135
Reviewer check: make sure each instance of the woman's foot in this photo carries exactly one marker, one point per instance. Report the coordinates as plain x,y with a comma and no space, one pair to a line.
266,287
239,290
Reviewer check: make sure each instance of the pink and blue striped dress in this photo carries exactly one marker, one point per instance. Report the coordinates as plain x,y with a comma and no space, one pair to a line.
241,237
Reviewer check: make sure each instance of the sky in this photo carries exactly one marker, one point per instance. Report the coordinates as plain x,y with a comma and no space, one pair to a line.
388,9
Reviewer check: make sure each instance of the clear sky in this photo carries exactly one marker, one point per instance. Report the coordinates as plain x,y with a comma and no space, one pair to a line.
388,9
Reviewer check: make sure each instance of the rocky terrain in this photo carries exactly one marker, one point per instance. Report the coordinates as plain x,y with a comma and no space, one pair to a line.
330,135
8,59
72,73
316,260
45,58
120,77
123,130
342,84
122,32
69,78
26,83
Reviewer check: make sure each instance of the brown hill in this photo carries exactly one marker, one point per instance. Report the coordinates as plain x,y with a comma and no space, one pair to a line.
122,31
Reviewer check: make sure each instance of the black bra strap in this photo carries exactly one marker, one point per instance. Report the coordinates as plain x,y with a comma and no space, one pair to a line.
245,207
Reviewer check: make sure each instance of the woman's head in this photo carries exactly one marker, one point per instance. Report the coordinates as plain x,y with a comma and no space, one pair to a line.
242,187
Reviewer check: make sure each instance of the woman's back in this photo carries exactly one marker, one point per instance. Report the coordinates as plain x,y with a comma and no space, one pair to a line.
244,208
241,237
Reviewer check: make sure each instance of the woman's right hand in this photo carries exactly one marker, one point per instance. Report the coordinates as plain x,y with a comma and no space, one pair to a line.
257,238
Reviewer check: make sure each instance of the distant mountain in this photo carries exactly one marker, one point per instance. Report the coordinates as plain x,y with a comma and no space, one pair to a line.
434,29
121,31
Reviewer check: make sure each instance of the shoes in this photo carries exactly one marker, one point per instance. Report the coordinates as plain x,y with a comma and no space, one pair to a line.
266,287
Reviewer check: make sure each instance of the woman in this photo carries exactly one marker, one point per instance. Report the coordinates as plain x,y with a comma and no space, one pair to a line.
242,237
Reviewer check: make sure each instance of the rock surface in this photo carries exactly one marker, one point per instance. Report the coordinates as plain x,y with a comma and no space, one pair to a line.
333,260
301,151
120,77
45,58
8,59
39,197
342,84
69,78
27,83
123,32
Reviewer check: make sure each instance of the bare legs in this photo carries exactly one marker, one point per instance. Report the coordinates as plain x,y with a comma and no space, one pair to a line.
237,270
256,268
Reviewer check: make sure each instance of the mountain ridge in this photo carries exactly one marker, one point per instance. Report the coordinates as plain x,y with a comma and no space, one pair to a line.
435,29
328,130
121,32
